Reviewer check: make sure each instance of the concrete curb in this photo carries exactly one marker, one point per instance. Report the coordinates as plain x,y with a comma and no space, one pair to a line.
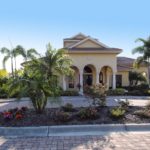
72,130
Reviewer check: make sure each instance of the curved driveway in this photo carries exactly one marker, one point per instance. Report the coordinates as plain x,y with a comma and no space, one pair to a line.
77,101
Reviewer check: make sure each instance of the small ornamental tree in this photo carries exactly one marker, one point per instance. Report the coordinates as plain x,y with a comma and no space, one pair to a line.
97,93
135,77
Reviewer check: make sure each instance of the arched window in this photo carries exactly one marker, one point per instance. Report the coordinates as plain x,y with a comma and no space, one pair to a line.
87,70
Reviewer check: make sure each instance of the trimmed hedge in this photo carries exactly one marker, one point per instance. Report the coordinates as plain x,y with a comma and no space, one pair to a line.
118,91
70,93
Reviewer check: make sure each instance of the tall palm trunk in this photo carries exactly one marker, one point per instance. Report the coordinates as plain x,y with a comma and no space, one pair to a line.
15,65
12,67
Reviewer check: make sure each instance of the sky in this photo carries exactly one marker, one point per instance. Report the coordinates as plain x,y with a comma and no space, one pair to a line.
34,23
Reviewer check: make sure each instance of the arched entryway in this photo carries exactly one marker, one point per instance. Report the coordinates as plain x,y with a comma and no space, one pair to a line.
105,76
88,75
73,80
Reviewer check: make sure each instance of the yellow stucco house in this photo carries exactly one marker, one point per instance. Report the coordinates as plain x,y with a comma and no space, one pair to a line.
95,62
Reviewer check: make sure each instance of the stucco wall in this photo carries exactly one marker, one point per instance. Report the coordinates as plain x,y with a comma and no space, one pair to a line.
80,60
125,75
125,79
69,43
88,44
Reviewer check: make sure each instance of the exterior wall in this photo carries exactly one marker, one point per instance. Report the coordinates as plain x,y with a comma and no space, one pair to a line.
125,79
88,44
80,60
69,43
125,75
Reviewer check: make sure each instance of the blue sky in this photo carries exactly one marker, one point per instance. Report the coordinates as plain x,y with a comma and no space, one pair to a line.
34,23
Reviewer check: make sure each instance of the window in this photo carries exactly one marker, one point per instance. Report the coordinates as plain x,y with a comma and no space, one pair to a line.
71,82
119,80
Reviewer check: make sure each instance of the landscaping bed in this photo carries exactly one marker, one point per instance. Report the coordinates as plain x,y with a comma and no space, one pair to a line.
72,116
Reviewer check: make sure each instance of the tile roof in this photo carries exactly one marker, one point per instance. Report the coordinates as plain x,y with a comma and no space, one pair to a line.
125,63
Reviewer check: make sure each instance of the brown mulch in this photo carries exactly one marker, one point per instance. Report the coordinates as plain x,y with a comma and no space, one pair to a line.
48,118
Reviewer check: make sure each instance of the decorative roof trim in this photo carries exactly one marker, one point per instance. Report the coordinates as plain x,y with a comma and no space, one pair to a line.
71,40
96,52
78,35
89,38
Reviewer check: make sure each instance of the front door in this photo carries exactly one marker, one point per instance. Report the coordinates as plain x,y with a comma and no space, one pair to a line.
87,80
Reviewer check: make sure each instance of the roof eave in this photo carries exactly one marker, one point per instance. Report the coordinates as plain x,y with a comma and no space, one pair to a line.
97,52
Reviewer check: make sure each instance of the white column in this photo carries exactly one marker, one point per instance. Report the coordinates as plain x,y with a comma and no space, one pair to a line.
64,83
81,82
97,77
108,79
114,81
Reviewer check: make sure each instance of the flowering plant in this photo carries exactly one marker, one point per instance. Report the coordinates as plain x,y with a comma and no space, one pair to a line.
15,113
18,116
7,115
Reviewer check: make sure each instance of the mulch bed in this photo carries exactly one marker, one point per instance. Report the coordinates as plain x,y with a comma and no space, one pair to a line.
49,117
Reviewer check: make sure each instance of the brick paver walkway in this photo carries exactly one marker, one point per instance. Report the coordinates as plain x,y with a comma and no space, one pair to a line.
121,141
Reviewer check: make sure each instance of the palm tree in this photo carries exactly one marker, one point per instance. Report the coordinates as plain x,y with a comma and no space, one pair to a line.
56,62
29,54
144,50
11,54
17,52
35,87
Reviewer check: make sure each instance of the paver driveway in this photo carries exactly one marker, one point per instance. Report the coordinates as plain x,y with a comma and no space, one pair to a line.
117,141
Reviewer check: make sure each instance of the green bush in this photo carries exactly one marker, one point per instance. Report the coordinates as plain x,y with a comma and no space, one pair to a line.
88,113
118,91
70,93
117,113
68,107
63,116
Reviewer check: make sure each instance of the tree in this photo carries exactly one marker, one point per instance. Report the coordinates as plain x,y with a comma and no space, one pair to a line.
38,78
35,86
55,62
144,50
135,77
28,54
11,54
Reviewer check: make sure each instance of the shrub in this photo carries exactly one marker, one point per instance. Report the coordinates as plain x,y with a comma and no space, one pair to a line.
88,113
63,116
68,107
117,112
18,116
142,113
3,91
118,91
7,115
70,93
143,86
97,93
124,104
148,106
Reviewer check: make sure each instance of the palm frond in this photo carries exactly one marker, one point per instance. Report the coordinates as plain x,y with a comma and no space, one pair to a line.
19,50
5,50
32,53
139,49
